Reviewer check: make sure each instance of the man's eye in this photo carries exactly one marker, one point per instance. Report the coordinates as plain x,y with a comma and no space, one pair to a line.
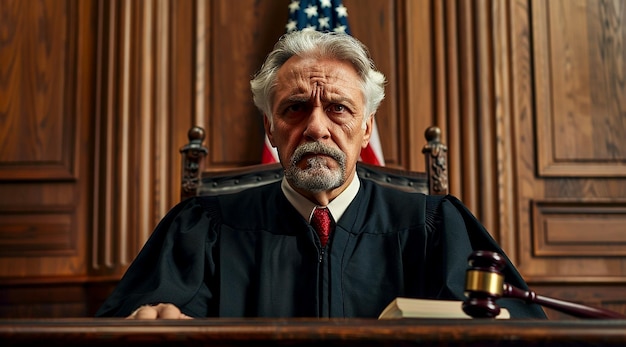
294,108
337,108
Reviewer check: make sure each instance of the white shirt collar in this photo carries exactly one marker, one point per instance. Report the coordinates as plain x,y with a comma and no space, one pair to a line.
336,207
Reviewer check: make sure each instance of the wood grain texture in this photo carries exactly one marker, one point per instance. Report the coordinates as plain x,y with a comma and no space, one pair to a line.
234,125
313,332
569,207
464,49
47,60
49,231
37,132
580,229
146,98
579,50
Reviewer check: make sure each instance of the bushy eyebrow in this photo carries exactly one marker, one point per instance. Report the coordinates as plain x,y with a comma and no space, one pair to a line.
302,94
297,99
293,99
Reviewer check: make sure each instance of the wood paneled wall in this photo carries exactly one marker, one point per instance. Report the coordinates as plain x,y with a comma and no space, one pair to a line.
567,138
47,86
96,97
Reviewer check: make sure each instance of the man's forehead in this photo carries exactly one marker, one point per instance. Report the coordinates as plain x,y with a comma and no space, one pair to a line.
297,66
304,75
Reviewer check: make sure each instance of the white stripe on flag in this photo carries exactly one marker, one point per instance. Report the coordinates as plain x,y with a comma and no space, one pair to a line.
375,144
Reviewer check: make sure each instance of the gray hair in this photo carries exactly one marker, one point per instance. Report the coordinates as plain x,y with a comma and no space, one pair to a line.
309,43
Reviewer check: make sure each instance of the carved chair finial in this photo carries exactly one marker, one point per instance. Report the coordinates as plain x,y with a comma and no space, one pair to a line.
436,161
193,155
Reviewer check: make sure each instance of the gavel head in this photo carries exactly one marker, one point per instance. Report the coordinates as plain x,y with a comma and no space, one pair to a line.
483,284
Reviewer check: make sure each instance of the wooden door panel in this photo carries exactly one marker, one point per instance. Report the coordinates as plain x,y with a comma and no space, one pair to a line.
574,229
46,94
570,145
37,129
580,69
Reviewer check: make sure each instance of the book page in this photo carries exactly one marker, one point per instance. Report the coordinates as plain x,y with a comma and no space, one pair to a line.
427,308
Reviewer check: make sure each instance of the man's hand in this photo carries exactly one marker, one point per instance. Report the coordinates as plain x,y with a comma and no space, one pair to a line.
159,311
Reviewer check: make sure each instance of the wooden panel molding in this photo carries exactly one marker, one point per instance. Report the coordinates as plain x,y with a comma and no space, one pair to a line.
152,81
46,109
573,241
567,180
56,297
133,119
579,60
38,137
575,229
470,96
46,232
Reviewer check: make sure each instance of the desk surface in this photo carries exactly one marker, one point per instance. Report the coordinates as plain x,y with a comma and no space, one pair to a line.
325,332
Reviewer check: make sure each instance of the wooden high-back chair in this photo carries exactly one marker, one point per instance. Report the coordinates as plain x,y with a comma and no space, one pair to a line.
196,181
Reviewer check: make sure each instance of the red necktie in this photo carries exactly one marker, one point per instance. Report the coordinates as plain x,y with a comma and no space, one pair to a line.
321,223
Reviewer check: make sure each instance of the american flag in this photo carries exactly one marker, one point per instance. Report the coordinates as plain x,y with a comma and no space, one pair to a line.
320,15
324,15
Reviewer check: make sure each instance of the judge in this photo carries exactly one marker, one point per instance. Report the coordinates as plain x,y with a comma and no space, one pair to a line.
261,253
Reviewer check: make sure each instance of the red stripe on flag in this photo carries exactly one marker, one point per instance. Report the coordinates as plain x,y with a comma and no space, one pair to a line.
267,157
368,156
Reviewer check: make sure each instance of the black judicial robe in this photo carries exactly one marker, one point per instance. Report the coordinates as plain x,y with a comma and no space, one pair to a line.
251,254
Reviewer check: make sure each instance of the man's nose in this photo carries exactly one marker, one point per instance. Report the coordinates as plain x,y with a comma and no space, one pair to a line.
317,125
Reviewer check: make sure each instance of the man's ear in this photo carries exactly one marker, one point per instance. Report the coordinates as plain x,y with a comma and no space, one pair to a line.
369,128
267,124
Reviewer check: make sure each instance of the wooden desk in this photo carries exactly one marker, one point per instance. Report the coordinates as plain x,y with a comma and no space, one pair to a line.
309,332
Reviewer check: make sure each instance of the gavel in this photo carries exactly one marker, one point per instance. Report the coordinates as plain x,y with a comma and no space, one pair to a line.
484,284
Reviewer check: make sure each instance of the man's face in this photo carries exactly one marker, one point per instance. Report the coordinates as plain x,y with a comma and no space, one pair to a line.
318,126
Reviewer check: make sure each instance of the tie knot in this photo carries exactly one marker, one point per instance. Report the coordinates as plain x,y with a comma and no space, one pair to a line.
321,223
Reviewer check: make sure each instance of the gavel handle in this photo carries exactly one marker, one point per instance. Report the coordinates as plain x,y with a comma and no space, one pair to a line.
574,309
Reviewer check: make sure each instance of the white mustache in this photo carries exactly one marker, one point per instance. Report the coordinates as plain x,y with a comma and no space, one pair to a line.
317,148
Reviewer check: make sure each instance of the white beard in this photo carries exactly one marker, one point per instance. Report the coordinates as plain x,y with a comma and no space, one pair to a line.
317,177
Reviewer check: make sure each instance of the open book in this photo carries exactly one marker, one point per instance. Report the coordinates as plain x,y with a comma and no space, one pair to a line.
426,308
